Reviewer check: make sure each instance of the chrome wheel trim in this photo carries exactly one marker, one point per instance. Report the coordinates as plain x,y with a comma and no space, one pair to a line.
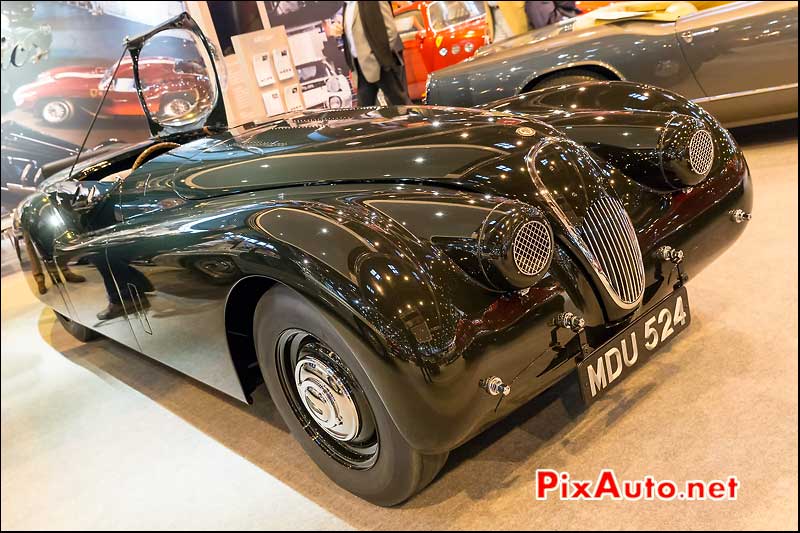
335,102
327,399
177,107
55,112
295,353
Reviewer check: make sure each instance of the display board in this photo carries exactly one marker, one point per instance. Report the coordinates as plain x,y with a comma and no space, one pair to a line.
307,49
268,79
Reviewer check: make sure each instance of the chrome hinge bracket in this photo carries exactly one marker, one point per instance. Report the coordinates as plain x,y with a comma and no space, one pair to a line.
668,254
577,325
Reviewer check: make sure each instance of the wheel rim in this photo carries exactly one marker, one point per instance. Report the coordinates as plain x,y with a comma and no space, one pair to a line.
327,400
177,107
55,112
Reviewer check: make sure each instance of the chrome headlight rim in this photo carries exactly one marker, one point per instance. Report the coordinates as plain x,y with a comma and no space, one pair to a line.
499,232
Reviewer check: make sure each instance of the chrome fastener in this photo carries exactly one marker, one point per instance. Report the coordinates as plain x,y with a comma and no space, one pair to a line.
569,321
670,254
740,215
495,386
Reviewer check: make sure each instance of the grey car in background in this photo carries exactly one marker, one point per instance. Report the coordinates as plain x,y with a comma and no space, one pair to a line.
738,60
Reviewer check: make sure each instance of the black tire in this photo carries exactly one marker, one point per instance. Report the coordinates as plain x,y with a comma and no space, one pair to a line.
57,112
568,77
81,333
389,471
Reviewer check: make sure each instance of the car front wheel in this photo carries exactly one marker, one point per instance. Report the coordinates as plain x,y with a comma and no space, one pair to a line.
310,363
175,108
57,112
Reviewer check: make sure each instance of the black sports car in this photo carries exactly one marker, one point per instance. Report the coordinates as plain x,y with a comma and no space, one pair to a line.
399,277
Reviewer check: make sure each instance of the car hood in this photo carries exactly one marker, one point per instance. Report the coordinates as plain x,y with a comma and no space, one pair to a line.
394,144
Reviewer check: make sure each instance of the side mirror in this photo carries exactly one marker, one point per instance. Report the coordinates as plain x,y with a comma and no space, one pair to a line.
65,192
75,196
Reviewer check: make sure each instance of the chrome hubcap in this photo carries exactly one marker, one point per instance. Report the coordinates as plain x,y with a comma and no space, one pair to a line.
326,398
55,111
177,107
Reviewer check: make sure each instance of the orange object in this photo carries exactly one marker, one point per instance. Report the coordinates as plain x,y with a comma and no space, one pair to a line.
585,7
436,35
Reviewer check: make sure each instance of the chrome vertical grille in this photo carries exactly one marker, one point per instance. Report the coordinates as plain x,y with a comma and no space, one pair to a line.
610,236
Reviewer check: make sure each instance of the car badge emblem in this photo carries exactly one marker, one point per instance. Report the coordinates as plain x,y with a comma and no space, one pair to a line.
526,131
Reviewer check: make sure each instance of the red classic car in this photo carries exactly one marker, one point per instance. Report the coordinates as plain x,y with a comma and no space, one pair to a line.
57,95
436,35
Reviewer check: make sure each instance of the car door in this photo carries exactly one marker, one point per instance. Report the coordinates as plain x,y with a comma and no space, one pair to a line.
744,56
90,285
169,277
455,26
96,256
414,36
61,241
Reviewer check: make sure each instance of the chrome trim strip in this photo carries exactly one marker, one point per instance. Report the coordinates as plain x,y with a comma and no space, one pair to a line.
18,187
19,136
751,92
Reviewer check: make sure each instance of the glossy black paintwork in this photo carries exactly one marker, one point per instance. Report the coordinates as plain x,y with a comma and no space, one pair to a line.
368,214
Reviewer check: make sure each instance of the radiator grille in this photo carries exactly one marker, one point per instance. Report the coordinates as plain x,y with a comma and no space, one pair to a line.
610,236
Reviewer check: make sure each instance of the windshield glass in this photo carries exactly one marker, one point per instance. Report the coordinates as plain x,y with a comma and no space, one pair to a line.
408,24
312,71
444,14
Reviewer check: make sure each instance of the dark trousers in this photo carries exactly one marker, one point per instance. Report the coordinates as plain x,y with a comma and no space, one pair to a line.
392,83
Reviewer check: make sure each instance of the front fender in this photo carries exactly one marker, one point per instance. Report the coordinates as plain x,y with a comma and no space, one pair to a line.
369,258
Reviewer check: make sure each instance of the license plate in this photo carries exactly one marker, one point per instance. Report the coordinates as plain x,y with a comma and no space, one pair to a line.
613,361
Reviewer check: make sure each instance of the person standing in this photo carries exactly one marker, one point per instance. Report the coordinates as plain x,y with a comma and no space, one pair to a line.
541,14
374,52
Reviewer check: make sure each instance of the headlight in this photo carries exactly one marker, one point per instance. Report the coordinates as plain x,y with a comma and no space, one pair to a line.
333,85
19,97
687,151
515,246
